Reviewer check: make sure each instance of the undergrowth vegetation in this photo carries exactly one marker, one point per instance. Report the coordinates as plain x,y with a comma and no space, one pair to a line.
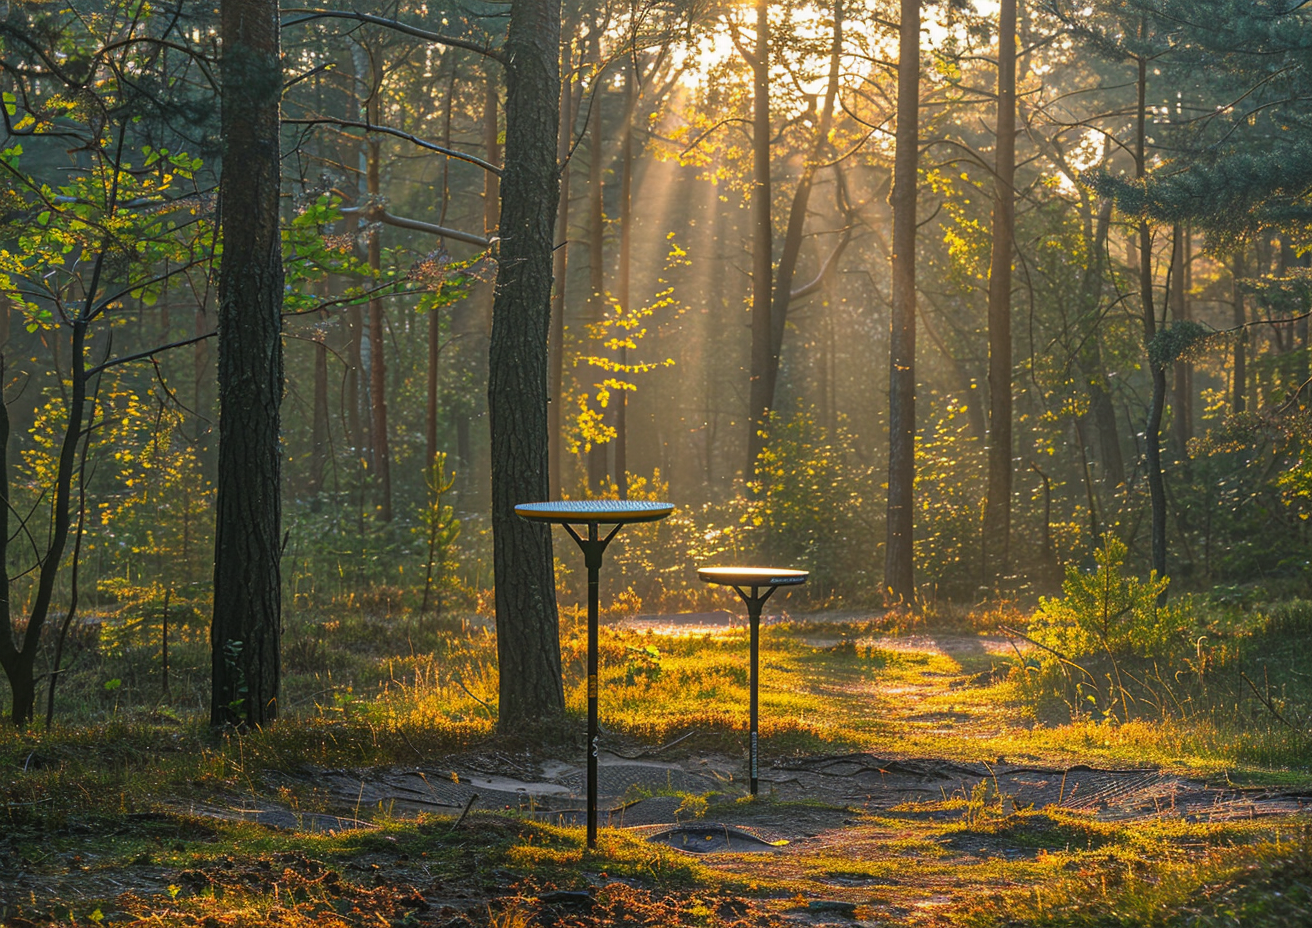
1267,884
1225,681
107,788
1102,671
1104,674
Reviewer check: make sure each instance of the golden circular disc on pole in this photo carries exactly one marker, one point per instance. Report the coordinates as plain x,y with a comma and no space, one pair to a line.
752,576
576,511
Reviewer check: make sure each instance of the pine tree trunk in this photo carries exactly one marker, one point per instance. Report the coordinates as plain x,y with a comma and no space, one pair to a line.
1091,363
319,434
997,508
1239,384
381,448
793,237
556,357
434,316
762,241
1153,436
356,62
1182,411
622,275
899,567
528,642
247,626
597,453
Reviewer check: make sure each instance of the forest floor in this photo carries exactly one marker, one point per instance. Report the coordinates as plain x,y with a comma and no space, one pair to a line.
936,801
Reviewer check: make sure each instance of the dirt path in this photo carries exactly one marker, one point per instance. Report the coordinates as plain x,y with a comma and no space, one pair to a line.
904,837
866,837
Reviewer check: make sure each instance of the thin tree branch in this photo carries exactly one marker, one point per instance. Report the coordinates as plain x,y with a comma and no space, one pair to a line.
388,130
309,15
142,355
818,282
381,215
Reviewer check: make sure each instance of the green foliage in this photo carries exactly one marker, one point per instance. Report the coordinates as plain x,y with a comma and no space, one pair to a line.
1245,167
964,259
1105,615
1106,611
812,505
232,660
138,217
1246,501
309,253
440,529
949,488
1180,340
1266,884
620,331
151,518
645,662
341,556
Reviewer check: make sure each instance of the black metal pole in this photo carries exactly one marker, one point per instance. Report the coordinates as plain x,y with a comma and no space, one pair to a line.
594,578
568,515
754,616
754,603
594,548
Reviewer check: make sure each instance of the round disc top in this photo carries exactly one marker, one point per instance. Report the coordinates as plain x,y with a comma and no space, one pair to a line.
752,576
574,511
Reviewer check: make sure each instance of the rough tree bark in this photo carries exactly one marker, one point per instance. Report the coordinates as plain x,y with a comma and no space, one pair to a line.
528,645
247,625
899,570
997,507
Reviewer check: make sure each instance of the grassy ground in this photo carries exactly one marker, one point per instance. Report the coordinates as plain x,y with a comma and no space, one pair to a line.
93,829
